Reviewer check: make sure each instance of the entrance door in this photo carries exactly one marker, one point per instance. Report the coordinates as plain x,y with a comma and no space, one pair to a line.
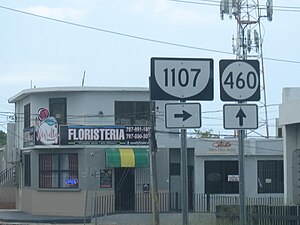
124,189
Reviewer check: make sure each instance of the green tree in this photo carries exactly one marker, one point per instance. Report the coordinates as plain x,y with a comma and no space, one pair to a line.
2,138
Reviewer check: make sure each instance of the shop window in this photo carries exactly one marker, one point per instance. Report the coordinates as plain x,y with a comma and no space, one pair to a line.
58,171
27,116
132,113
218,176
27,170
270,176
58,109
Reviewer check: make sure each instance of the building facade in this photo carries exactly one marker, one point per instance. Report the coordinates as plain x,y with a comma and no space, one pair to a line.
289,119
73,144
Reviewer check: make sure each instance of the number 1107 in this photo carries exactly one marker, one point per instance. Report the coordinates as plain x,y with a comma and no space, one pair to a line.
181,77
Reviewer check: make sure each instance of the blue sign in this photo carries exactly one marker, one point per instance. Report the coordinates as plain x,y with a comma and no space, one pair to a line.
71,181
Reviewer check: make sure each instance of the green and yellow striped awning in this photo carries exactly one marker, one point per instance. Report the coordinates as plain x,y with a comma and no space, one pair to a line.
127,157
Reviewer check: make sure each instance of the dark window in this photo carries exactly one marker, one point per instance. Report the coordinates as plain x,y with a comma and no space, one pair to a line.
279,132
218,177
58,171
58,109
132,113
27,116
175,169
27,170
270,176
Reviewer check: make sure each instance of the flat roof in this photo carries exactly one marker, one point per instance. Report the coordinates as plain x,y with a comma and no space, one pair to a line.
32,91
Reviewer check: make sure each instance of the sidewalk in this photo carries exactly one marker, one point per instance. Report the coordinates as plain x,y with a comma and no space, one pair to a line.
17,216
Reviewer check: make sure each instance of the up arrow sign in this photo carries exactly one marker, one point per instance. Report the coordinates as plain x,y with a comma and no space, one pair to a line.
185,115
241,115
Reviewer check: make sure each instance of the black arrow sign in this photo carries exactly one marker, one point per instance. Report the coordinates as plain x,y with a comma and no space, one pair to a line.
241,115
185,115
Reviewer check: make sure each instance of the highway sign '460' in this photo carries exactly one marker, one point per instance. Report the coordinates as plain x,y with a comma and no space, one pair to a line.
239,80
181,79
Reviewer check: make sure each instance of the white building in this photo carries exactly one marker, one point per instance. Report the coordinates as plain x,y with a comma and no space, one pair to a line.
289,119
76,143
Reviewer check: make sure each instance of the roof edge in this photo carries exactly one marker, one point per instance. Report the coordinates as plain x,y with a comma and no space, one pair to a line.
31,91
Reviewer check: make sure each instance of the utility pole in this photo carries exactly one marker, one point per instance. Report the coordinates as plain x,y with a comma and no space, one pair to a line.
153,166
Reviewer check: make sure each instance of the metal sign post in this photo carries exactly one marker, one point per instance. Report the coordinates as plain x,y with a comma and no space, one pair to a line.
241,136
182,79
240,81
184,177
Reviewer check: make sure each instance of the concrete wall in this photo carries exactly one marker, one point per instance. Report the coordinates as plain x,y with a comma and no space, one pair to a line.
289,119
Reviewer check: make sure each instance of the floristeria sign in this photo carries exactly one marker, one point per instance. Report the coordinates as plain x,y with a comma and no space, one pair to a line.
104,135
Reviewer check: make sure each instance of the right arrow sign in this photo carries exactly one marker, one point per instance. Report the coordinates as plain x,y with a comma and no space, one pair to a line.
240,116
182,115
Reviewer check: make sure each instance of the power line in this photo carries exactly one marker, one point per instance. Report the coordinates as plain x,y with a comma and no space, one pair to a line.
139,37
217,3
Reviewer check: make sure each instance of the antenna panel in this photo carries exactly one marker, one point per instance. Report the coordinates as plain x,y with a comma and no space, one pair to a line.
249,41
270,10
256,40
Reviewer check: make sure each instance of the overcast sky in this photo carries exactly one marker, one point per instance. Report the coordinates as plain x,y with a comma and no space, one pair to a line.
113,41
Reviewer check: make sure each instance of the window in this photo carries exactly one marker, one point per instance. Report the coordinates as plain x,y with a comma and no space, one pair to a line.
27,170
218,177
175,169
27,116
132,113
58,171
270,176
58,109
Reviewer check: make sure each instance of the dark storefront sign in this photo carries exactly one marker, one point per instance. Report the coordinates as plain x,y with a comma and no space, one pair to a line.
106,178
104,135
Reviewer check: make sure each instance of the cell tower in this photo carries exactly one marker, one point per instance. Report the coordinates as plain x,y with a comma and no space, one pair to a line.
248,42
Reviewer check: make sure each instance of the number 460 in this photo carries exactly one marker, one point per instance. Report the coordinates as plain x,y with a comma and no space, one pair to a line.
250,81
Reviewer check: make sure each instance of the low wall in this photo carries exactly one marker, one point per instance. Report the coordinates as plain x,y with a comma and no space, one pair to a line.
7,198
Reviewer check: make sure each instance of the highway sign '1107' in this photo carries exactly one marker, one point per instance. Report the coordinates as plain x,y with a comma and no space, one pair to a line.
181,79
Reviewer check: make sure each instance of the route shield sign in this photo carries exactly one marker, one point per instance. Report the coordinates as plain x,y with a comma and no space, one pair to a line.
239,80
181,79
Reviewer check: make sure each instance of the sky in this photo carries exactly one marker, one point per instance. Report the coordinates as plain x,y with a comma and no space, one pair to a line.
53,43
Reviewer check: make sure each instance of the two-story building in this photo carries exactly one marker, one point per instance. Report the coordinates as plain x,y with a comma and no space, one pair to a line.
72,142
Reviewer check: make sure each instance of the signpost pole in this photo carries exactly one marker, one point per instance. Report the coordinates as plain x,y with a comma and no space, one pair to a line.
184,177
241,136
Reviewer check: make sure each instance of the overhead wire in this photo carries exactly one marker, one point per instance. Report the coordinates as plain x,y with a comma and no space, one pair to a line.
137,37
217,3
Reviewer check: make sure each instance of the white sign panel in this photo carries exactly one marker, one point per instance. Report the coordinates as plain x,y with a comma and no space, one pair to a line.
239,80
181,79
240,116
183,115
233,178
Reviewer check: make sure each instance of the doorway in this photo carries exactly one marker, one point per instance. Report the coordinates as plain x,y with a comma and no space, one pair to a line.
124,189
